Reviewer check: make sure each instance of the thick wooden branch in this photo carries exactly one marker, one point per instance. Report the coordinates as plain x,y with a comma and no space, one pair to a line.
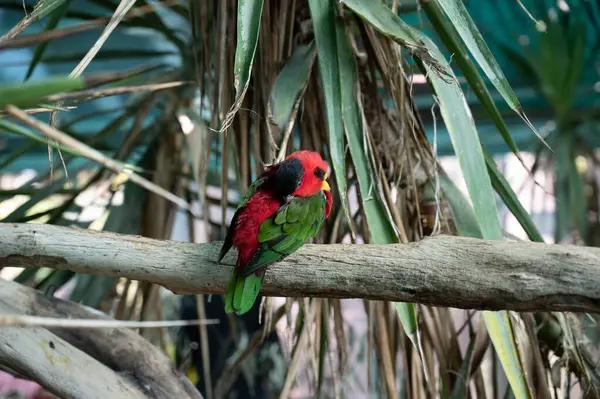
116,354
441,271
59,367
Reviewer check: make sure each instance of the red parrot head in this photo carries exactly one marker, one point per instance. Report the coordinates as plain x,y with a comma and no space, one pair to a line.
314,176
304,174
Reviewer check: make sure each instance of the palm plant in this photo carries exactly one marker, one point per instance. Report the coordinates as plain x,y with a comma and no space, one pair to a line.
181,104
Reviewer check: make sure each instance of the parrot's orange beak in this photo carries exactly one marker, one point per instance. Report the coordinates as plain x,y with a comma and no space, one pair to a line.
325,185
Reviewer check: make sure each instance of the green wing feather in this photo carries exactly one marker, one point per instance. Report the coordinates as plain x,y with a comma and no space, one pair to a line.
285,232
280,235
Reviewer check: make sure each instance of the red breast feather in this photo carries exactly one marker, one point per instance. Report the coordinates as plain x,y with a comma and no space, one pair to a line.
259,208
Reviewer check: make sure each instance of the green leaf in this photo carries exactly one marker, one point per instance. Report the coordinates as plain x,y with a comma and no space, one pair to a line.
26,275
568,188
577,200
380,226
385,21
408,316
461,388
407,313
42,194
450,38
561,188
16,154
55,280
467,147
323,17
460,18
501,334
248,28
30,93
290,85
462,21
457,117
510,199
44,8
464,216
51,23
22,131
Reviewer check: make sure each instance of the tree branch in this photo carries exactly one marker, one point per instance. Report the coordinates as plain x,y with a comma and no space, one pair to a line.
119,352
441,271
59,367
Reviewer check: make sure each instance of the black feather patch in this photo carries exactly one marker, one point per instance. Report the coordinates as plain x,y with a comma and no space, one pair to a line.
288,177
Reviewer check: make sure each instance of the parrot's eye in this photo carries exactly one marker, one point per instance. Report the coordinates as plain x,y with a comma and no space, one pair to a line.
320,173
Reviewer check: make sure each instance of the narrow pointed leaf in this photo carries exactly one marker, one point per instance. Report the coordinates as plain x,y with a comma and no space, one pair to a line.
51,23
44,8
29,94
464,216
460,18
248,27
447,33
22,131
380,226
461,388
459,122
461,127
462,21
323,13
510,199
502,336
408,317
385,21
290,85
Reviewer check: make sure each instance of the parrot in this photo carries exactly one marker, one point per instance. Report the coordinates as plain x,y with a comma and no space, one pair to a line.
282,209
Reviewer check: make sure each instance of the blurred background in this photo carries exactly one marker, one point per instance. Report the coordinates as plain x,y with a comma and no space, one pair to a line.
548,51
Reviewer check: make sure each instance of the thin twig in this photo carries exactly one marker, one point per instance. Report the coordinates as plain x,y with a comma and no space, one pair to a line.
27,20
111,91
38,321
540,25
117,17
46,36
438,213
32,111
95,155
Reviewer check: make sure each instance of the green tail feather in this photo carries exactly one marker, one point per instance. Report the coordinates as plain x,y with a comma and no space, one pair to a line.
242,292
